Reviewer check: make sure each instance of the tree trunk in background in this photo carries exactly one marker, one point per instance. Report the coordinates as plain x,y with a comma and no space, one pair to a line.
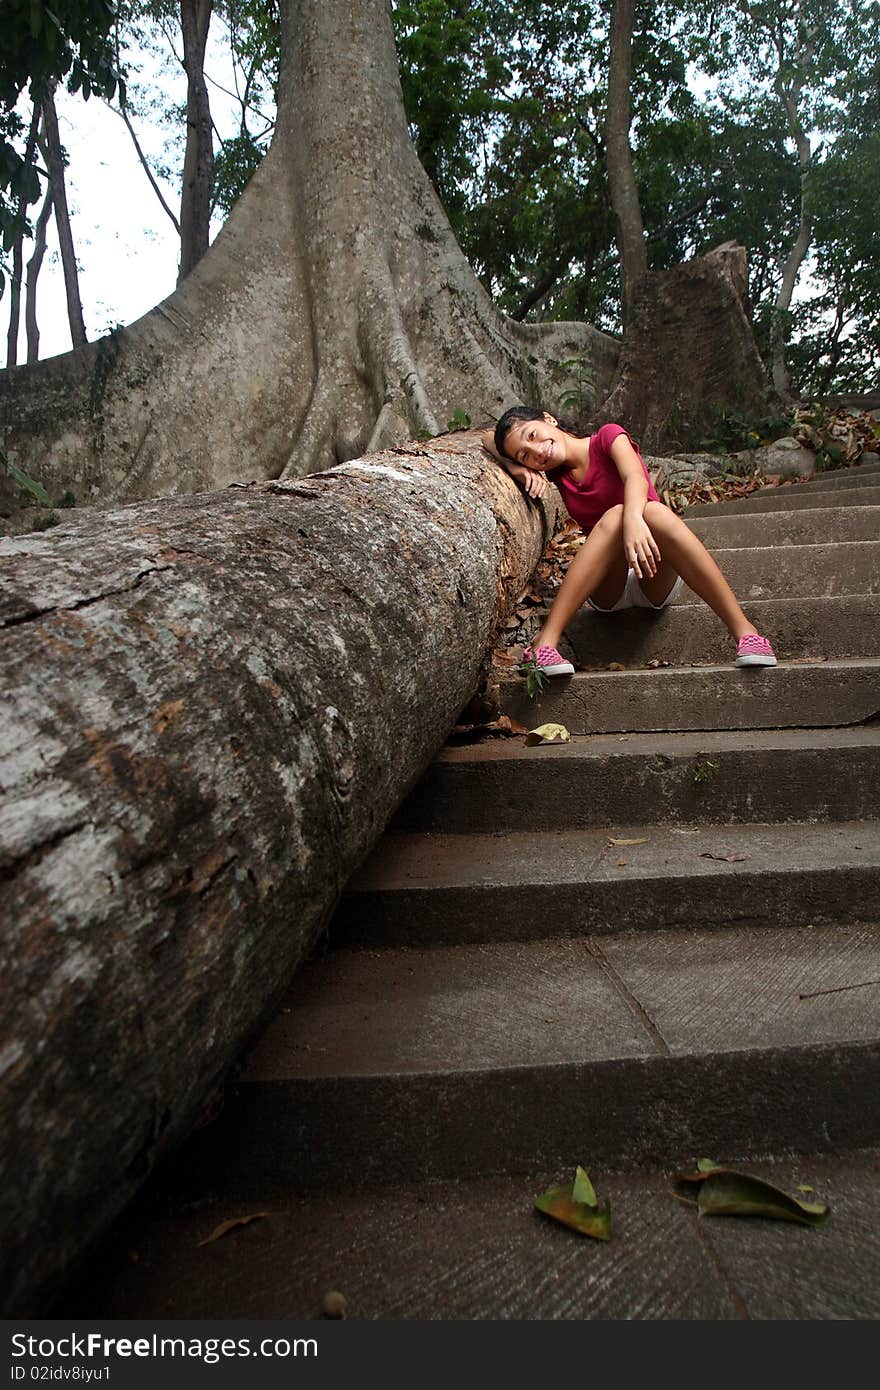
55,160
198,161
794,260
18,255
212,707
628,229
334,313
32,275
689,352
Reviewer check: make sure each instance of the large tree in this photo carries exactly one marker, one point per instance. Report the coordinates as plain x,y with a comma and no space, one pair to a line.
334,312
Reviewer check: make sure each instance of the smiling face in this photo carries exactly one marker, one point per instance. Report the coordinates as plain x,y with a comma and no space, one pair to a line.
539,444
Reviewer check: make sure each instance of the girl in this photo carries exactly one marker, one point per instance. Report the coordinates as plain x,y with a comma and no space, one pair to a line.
637,550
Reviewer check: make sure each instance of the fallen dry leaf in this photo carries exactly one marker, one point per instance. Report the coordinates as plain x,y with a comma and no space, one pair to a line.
615,666
547,733
728,858
643,841
621,863
221,1230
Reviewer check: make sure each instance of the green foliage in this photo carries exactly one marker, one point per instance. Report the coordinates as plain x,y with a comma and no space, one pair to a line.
535,677
40,44
705,772
235,164
458,420
578,397
507,104
734,432
36,492
815,429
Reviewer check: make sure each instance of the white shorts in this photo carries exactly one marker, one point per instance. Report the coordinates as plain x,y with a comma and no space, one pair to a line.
634,596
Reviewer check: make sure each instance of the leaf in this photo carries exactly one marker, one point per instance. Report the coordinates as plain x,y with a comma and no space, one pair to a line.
643,841
29,484
559,1204
230,1225
727,1192
583,1190
547,733
615,666
727,858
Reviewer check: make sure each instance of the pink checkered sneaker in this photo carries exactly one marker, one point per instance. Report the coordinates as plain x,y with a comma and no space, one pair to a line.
753,650
549,662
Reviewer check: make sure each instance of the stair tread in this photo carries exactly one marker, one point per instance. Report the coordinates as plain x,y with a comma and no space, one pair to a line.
860,493
476,1249
686,744
564,1002
729,671
582,856
799,526
844,690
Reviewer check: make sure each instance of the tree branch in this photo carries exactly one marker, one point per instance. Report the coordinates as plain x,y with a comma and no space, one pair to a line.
123,114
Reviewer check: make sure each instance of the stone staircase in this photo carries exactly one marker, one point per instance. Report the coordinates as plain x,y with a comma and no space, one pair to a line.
656,942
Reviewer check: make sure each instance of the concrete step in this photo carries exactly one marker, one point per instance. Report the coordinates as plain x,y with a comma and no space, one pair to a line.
857,473
801,571
789,695
809,526
519,885
799,628
629,1050
699,778
789,499
475,1249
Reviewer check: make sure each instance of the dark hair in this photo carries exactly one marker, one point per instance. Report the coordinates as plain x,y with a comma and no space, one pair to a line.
531,412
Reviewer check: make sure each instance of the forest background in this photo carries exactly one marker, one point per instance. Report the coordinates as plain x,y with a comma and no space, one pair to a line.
754,122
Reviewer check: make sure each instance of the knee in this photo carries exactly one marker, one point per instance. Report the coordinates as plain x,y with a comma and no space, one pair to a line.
662,519
610,523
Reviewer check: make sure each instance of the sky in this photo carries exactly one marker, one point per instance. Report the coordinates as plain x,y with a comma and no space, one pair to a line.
126,246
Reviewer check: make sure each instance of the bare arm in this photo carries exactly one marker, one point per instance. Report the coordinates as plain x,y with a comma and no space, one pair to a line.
641,549
532,483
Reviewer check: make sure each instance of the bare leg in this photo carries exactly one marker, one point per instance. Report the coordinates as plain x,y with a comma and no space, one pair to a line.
687,555
599,568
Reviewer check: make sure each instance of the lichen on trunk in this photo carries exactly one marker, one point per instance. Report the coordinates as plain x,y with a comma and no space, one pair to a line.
212,706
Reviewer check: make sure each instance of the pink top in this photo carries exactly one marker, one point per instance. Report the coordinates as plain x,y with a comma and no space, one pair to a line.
603,486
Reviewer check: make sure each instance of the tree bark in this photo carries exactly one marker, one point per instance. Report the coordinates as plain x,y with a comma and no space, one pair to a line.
212,706
628,228
198,160
689,353
794,260
334,311
18,254
62,222
32,276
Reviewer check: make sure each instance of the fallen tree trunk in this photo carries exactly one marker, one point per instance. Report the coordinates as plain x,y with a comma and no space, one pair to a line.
212,706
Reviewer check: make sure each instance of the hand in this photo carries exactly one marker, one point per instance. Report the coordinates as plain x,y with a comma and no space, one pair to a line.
534,484
641,550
